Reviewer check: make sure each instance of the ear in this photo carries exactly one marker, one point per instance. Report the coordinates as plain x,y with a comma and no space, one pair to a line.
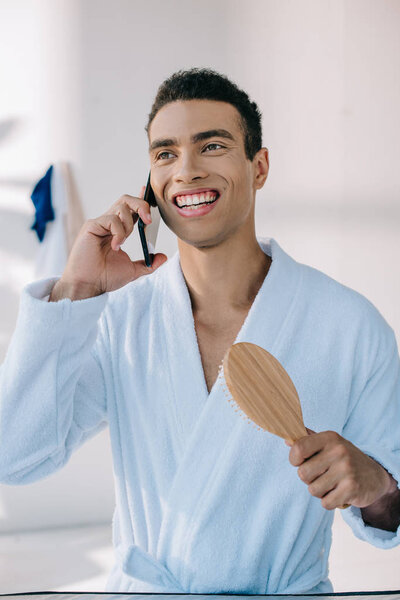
261,167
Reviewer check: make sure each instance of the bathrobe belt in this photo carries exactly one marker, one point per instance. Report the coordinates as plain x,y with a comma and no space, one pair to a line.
140,565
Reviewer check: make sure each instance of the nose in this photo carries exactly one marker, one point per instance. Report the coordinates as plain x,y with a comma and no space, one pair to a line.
189,167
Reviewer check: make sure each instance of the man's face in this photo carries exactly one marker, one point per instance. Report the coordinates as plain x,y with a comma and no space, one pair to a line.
197,151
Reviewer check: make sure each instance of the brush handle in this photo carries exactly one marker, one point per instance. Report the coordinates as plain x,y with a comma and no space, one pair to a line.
309,432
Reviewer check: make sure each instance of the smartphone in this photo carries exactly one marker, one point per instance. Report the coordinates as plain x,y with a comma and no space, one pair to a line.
148,233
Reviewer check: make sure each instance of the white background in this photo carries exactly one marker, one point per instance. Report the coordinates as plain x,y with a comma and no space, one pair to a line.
77,79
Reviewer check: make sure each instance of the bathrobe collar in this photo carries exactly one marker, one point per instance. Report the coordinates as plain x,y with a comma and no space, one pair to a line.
264,325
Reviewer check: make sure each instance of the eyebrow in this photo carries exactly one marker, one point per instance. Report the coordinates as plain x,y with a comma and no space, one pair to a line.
197,137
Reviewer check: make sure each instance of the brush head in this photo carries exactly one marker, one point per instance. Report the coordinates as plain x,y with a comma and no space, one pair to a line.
263,390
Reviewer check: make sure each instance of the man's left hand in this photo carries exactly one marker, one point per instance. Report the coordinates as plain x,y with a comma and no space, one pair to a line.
338,472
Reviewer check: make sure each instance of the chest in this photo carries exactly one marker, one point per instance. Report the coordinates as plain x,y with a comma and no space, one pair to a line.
213,342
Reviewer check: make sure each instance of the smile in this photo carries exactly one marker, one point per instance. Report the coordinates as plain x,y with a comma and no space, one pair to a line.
196,205
195,200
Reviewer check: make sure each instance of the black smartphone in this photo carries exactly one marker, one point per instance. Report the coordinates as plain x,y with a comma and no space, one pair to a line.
148,233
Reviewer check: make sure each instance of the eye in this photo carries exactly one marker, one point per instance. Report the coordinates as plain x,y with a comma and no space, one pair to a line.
214,144
161,154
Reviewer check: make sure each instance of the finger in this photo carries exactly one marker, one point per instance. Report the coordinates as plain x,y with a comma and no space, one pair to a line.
336,498
323,484
136,205
128,218
111,225
314,467
304,448
311,444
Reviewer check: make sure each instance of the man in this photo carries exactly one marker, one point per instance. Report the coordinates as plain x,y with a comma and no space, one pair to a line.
206,503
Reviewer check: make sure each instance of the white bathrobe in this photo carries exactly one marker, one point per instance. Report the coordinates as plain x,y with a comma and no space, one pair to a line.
205,502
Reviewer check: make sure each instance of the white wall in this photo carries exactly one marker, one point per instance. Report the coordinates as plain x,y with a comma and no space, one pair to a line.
78,78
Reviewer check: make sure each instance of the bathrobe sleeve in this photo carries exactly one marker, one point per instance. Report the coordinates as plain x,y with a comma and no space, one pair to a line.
52,392
373,423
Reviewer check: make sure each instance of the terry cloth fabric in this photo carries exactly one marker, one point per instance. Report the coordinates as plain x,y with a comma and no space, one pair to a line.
60,195
205,503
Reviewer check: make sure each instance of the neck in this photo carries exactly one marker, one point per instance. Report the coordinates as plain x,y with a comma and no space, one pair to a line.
223,279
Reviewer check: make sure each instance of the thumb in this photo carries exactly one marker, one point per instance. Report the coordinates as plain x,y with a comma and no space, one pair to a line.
157,260
142,269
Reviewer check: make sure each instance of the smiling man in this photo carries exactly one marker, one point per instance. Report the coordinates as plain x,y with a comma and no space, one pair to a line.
205,502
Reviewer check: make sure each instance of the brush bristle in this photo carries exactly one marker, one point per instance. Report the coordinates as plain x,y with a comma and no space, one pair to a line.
229,397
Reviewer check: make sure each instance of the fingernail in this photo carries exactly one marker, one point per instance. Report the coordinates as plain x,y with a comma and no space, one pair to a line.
117,247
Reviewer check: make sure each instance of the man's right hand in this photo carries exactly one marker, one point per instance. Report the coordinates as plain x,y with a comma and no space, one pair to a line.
96,263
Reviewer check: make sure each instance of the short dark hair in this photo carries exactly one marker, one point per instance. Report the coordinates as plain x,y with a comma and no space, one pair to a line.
206,84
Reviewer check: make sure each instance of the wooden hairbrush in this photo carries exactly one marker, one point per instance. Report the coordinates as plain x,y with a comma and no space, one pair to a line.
261,388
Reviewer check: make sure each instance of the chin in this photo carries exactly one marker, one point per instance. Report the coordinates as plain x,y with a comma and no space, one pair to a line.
202,241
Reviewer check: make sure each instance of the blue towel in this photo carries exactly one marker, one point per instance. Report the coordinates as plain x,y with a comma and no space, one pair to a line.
41,198
205,503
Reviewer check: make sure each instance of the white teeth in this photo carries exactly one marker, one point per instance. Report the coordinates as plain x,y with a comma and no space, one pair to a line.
194,199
